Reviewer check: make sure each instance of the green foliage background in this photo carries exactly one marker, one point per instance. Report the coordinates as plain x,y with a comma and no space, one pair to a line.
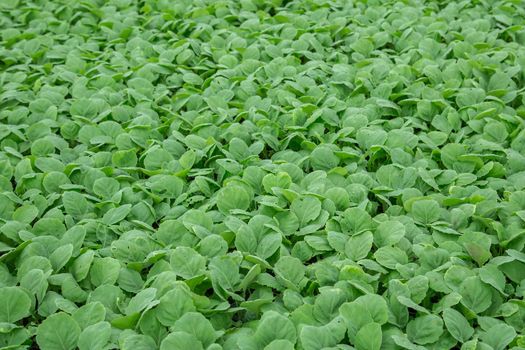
262,174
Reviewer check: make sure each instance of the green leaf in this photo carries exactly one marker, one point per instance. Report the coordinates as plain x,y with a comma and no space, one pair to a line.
475,294
477,245
291,270
279,180
61,256
368,137
138,342
245,240
26,213
141,301
187,263
405,343
95,337
491,275
15,304
224,272
362,311
126,322
358,246
389,257
369,337
269,244
105,187
84,107
82,265
75,204
425,329
274,326
306,209
499,336
457,325
58,332
181,341
280,344
323,158
104,271
356,220
125,158
115,215
174,304
233,197
326,305
89,314
426,211
313,337
389,233
196,324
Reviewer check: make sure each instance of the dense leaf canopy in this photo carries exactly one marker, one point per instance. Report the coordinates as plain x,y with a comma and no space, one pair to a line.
262,174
